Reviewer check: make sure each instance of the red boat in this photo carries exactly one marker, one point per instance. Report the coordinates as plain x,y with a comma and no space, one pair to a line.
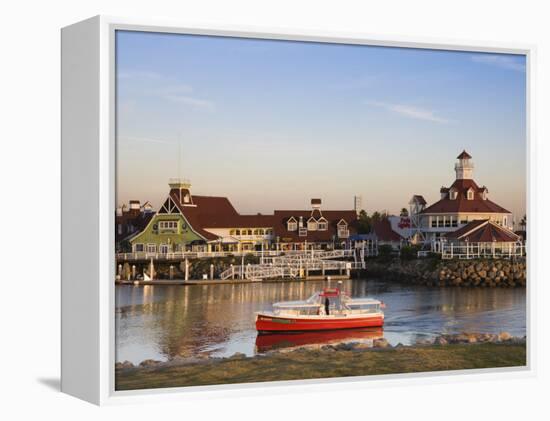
329,309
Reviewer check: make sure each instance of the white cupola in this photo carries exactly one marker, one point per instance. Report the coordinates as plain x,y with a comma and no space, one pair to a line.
464,168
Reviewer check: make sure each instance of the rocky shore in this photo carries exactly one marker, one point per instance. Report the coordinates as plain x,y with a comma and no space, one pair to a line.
444,352
467,273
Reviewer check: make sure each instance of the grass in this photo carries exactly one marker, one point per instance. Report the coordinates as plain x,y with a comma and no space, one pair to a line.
314,364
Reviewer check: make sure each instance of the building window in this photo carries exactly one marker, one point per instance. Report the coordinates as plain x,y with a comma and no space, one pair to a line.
231,232
454,221
505,221
322,226
168,225
312,225
291,226
343,232
470,195
453,194
269,231
249,232
302,232
138,248
163,248
440,221
434,221
448,222
151,248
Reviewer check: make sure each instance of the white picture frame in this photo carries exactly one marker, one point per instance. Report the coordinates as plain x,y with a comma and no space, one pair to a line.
88,208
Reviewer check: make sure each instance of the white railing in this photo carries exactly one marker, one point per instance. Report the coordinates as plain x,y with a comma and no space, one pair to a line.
258,272
179,255
291,269
481,250
144,255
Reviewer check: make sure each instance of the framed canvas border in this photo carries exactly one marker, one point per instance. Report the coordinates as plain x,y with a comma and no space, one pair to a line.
96,47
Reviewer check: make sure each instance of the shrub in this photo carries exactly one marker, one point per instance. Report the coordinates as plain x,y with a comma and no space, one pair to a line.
409,252
385,252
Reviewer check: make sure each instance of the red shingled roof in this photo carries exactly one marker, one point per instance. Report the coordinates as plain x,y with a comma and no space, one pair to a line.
281,217
419,198
383,231
217,212
464,155
461,203
483,231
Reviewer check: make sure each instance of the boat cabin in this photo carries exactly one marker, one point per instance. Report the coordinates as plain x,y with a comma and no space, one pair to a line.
339,303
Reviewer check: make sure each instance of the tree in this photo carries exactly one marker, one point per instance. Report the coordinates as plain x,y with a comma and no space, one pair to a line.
363,225
375,217
404,212
523,222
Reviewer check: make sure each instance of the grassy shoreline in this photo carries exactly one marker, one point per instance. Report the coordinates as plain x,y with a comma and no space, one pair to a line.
314,364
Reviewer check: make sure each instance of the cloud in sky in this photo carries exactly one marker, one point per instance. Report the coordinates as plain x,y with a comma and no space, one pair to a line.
409,111
502,61
192,101
179,92
138,74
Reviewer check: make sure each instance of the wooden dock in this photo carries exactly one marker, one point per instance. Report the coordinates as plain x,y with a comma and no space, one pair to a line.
183,282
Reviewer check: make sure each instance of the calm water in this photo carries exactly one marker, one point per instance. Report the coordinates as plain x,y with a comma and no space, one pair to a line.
162,322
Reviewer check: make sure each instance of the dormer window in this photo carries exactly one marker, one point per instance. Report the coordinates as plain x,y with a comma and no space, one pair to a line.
343,231
453,194
292,224
311,224
470,194
322,224
484,194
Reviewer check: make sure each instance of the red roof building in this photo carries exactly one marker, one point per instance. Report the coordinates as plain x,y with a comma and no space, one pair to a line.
131,219
384,233
462,202
482,231
211,223
322,227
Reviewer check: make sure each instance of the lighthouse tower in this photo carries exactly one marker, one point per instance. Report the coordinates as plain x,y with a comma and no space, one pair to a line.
464,168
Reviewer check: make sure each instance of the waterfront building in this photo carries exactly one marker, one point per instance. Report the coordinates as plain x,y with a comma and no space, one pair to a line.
461,203
130,220
317,228
482,238
384,233
187,222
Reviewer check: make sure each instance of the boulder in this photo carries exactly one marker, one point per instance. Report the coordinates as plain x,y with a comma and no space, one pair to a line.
440,340
149,363
504,336
380,343
237,356
124,365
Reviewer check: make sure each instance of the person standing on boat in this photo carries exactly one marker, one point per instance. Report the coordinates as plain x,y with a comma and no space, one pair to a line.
327,305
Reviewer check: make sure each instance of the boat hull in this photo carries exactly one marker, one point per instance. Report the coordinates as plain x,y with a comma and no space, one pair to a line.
267,323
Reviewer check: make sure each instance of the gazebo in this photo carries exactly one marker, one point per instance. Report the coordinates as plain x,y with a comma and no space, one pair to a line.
481,238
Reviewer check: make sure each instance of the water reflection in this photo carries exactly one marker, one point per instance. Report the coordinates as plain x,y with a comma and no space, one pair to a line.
162,322
271,342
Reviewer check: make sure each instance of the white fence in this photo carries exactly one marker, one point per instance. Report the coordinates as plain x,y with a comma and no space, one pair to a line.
143,255
481,250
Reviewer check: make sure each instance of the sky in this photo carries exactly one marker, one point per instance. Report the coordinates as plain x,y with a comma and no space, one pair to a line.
271,124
